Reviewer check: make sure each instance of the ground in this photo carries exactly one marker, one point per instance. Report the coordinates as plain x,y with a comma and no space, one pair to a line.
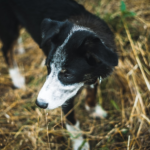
125,95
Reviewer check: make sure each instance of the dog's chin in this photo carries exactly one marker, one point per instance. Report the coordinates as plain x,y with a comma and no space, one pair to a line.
53,106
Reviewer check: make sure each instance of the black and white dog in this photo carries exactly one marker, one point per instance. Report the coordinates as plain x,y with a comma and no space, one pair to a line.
78,45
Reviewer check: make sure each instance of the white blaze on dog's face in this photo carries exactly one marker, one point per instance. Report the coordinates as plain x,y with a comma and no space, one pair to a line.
54,92
76,55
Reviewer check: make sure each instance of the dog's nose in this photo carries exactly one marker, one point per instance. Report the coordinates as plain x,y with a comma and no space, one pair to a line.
41,104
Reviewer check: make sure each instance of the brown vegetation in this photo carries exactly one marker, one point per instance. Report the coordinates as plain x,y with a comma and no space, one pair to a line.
125,94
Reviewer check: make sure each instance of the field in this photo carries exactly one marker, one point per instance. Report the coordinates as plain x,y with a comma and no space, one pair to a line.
125,95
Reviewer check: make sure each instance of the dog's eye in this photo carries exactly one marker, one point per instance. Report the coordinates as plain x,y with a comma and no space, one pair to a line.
66,77
65,74
63,70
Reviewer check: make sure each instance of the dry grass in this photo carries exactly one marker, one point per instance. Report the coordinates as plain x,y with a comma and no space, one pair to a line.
125,94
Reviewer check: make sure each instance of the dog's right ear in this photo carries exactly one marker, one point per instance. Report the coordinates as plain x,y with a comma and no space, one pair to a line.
49,29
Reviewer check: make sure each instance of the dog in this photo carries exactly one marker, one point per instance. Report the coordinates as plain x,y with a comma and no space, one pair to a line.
79,49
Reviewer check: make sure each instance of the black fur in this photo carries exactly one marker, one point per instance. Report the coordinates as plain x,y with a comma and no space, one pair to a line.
90,53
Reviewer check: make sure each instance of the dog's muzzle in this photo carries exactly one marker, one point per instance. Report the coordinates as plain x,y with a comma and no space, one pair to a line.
41,104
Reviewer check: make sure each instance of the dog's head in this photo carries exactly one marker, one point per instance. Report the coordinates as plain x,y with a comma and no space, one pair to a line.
76,56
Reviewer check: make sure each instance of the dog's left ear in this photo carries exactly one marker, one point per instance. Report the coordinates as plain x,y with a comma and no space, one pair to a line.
94,48
49,29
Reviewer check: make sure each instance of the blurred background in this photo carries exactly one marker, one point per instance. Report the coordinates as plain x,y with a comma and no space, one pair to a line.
125,95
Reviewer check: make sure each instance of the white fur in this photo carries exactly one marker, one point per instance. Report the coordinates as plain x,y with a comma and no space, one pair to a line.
17,79
20,47
53,91
76,137
74,29
92,86
96,111
100,80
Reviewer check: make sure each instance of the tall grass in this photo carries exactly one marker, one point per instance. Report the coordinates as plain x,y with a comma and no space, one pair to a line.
125,94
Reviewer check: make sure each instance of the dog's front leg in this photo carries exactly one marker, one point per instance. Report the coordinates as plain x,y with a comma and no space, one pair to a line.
73,127
94,109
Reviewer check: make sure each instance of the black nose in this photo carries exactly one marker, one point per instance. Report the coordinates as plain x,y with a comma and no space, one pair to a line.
41,104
